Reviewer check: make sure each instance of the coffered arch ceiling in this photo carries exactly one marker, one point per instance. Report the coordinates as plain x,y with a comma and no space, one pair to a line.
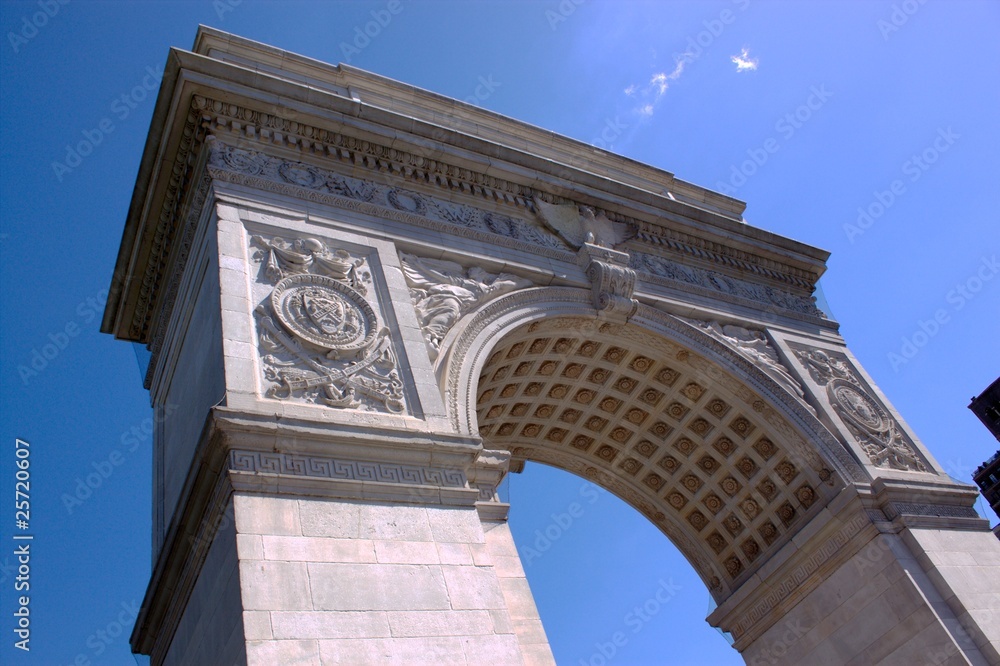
687,442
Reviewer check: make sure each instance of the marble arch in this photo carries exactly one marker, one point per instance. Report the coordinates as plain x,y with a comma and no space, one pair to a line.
713,463
366,304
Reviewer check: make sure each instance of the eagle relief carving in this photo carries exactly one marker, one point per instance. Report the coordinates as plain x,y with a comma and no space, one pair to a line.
577,225
319,338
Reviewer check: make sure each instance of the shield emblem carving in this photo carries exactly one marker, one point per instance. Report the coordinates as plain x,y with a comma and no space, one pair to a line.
326,313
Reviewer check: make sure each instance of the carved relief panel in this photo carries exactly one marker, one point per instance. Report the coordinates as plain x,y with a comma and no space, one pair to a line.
753,345
878,434
320,336
444,291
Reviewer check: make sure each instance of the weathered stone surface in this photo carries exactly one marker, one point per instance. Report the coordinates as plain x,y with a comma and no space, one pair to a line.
318,624
275,585
330,519
440,623
347,587
361,340
318,549
294,653
473,588
266,515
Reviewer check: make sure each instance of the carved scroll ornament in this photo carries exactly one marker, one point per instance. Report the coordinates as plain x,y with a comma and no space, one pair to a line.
612,282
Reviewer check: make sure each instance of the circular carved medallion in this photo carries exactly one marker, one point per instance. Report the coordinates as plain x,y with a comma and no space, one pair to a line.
324,312
857,406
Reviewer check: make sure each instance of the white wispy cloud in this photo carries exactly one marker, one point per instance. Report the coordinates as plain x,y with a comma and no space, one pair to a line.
662,80
648,95
743,61
660,83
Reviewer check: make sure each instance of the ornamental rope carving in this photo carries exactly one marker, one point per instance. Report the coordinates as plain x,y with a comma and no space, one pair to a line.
443,291
319,338
872,426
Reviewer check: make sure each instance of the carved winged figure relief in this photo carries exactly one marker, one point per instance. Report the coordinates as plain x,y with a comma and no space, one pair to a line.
443,291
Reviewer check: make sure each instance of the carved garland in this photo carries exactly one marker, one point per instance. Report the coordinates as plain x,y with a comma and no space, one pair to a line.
312,183
668,272
717,253
298,179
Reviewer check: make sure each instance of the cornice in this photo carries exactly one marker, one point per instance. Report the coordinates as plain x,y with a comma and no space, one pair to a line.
469,164
710,252
246,124
378,93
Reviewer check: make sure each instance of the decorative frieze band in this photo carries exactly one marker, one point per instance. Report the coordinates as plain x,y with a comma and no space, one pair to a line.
944,510
209,116
259,125
702,249
289,464
272,174
661,270
315,184
425,167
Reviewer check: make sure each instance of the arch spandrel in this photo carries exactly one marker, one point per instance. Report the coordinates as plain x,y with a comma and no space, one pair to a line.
690,433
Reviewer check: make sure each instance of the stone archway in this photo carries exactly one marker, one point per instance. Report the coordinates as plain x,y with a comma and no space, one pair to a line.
343,491
725,457
695,456
715,464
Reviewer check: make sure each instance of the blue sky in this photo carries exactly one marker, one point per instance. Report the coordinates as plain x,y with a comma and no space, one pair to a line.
865,128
